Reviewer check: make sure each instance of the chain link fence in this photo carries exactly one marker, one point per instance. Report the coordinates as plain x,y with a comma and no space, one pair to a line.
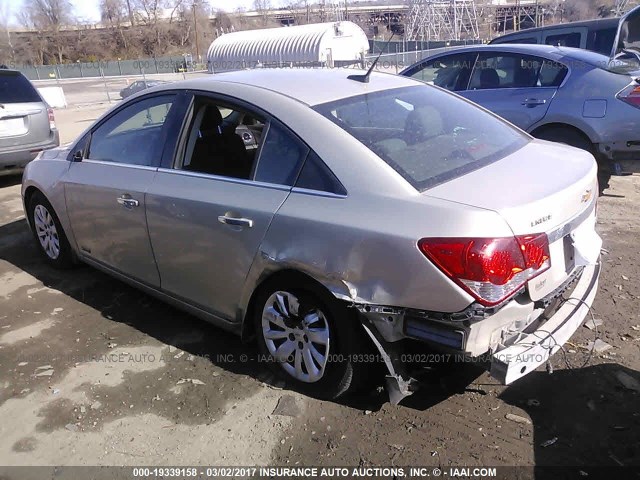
107,68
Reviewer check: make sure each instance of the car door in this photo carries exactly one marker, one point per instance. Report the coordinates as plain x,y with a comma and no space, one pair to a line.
519,88
106,184
207,216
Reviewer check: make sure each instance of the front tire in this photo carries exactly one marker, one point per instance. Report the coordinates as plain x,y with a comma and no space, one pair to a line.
574,138
49,236
309,338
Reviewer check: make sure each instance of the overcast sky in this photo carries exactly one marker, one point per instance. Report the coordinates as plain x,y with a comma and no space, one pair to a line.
88,9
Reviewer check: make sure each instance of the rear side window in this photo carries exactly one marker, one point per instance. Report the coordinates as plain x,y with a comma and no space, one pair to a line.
15,88
603,40
316,175
523,40
564,40
552,74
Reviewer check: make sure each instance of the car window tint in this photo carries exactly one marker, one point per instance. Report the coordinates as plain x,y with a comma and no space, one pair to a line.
451,72
552,74
15,88
281,157
223,140
441,136
564,40
526,40
133,135
603,40
315,175
505,71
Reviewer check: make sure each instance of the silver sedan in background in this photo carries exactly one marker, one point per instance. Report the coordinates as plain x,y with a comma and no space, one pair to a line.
363,218
569,95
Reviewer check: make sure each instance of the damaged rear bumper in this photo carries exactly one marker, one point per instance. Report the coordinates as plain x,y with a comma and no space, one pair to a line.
515,338
535,348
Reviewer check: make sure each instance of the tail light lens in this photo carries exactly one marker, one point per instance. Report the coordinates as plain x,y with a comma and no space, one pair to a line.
490,269
52,119
631,96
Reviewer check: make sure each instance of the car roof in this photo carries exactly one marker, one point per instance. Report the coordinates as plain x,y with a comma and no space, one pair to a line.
307,85
598,24
549,51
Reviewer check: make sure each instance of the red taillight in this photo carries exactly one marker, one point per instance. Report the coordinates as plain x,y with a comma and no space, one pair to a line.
535,250
52,119
631,96
491,269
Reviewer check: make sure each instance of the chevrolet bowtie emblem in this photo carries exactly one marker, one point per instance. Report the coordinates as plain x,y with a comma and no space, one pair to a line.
586,196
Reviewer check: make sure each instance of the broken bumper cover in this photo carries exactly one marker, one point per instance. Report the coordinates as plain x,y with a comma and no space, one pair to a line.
534,349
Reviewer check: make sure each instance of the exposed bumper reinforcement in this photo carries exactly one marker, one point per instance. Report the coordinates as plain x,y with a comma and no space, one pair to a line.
514,362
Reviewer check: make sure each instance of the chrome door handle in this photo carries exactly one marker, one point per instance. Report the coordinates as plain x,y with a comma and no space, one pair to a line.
533,102
128,202
236,222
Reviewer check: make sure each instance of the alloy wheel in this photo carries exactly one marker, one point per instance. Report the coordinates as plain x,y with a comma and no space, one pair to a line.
297,335
46,231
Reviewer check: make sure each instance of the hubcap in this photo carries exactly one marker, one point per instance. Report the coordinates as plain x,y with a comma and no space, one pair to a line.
297,336
46,231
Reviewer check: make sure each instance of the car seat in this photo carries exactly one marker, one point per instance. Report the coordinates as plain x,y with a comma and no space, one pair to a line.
219,151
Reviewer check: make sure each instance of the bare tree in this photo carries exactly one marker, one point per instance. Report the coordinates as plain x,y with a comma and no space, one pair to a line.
7,51
114,14
149,12
48,17
262,7
300,10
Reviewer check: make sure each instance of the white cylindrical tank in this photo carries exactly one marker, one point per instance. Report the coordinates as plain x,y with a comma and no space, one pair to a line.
318,44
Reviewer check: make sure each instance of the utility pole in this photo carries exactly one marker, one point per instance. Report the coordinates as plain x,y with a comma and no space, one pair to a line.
195,30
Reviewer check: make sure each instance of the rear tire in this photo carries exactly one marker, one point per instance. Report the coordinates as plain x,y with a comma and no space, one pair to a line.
309,338
574,138
48,233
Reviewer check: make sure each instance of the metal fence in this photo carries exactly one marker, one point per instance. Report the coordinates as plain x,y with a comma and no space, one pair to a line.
404,50
105,68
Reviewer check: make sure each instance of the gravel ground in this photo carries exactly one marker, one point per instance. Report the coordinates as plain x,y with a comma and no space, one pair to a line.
94,372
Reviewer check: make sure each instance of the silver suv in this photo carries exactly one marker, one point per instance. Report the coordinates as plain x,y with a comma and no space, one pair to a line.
27,124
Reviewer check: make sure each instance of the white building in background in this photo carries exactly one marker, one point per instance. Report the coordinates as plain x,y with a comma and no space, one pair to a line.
319,44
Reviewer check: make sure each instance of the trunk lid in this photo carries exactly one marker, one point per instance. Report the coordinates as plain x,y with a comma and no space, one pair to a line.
543,188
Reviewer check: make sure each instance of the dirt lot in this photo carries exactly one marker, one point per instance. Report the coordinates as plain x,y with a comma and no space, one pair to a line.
93,372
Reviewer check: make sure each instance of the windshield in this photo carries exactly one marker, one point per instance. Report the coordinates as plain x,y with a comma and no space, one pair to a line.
427,135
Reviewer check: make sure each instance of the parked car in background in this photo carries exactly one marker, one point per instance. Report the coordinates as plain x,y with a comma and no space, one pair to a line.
608,36
367,215
138,86
560,94
27,124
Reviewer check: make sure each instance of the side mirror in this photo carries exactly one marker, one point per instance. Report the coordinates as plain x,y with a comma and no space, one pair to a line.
77,157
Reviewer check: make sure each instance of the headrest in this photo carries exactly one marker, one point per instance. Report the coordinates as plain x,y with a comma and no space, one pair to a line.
422,124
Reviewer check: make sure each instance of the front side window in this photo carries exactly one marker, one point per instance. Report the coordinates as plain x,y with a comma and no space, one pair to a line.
436,137
134,134
450,72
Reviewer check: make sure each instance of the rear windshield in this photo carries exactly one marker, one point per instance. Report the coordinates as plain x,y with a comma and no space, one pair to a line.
625,64
427,135
15,88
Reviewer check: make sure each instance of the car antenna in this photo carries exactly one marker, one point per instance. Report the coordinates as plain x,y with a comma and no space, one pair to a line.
365,78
